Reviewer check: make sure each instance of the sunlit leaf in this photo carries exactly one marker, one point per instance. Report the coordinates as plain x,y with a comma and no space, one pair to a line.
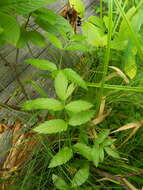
61,84
77,46
78,5
78,106
51,126
43,103
42,64
94,35
81,118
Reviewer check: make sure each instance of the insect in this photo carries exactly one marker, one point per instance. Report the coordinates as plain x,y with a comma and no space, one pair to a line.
72,16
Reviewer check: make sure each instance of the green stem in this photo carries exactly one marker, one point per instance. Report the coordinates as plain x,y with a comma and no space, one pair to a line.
116,87
107,58
101,9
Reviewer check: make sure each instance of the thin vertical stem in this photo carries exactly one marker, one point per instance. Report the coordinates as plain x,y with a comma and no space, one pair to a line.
107,57
101,9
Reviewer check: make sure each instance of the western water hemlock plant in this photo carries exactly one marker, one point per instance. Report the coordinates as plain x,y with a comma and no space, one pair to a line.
70,115
90,118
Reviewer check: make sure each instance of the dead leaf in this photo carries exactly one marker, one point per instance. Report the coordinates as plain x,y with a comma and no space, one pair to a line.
128,126
100,118
120,73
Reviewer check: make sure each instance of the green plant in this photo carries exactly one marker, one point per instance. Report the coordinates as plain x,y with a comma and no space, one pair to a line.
68,114
82,147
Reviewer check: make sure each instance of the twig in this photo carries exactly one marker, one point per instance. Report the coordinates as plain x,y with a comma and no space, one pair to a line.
133,174
27,21
121,180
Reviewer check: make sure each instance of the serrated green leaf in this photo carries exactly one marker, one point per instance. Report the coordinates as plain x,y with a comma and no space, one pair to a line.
78,6
95,155
61,84
81,176
102,136
111,152
74,77
78,106
81,118
42,64
43,103
51,126
60,183
11,28
84,150
63,156
37,39
23,6
54,40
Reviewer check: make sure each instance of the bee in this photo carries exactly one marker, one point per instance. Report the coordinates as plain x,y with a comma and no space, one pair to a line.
72,16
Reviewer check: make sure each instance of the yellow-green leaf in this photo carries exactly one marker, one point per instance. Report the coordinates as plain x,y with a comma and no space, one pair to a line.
43,103
78,106
61,84
94,35
51,126
42,64
81,118
78,5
